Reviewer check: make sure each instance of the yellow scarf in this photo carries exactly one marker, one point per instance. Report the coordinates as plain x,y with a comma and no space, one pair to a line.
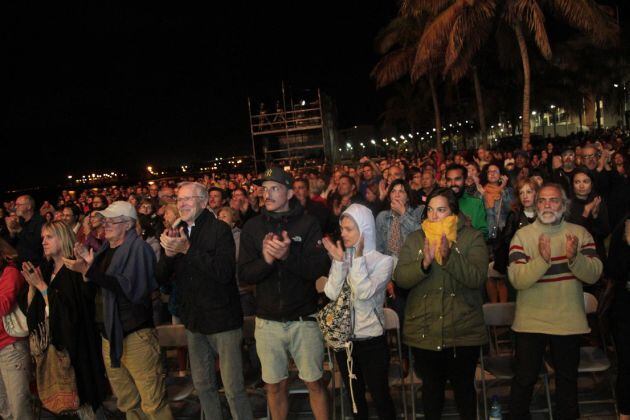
433,232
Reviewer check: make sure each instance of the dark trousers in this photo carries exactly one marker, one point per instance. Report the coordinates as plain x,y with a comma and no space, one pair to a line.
621,317
455,365
370,365
565,357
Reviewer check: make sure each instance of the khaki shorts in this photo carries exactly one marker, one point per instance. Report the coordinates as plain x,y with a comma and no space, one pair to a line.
302,340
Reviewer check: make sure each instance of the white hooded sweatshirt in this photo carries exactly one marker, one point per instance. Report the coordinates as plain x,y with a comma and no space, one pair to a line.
367,276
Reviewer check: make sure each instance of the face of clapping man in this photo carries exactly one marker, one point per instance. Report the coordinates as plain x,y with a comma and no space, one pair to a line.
568,160
68,217
276,196
589,157
550,206
190,202
215,199
455,181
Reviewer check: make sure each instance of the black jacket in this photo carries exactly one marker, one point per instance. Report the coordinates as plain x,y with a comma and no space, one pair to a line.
205,277
285,290
72,327
28,243
515,220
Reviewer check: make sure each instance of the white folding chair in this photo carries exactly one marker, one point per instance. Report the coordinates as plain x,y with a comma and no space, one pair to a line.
392,324
594,359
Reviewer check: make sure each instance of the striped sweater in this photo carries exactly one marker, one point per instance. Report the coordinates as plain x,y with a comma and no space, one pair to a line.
550,299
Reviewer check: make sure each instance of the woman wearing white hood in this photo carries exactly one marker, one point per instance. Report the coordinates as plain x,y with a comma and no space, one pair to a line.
367,272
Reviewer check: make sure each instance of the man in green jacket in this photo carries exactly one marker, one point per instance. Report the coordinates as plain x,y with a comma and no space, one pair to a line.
471,206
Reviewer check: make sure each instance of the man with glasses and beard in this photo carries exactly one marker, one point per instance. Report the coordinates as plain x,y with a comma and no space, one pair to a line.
550,260
472,207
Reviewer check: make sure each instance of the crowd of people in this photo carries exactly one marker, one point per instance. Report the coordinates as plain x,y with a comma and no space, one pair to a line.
432,236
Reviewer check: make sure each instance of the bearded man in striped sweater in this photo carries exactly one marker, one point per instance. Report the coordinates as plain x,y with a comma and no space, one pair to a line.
549,261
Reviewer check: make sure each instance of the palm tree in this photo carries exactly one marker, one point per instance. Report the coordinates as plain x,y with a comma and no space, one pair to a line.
461,27
398,41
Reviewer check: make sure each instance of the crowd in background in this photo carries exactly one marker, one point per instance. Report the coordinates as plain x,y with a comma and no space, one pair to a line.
93,264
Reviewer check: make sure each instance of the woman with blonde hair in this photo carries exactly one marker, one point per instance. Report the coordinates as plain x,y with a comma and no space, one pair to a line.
61,312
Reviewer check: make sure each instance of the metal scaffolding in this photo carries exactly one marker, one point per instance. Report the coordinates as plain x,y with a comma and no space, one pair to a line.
287,134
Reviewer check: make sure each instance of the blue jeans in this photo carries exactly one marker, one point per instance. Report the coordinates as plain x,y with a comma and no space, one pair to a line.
203,350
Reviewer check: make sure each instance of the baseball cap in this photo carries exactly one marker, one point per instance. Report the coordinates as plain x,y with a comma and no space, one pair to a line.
119,208
277,175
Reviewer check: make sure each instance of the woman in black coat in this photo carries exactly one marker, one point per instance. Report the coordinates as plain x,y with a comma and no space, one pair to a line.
61,295
588,210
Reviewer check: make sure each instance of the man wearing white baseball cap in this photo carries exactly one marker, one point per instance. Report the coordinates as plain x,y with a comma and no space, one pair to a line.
124,270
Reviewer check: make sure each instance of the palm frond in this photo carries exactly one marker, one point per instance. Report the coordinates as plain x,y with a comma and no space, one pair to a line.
528,12
434,39
392,66
469,32
589,17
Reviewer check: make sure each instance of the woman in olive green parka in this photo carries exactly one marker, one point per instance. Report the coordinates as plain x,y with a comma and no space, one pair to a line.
444,324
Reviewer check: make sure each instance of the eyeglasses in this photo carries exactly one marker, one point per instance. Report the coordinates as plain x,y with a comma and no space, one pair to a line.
187,199
109,222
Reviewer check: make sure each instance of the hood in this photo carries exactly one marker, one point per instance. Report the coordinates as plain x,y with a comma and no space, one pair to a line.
365,221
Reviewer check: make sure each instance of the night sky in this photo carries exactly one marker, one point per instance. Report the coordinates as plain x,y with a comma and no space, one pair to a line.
99,86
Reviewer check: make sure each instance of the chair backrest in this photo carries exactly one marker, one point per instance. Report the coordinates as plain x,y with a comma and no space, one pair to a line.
590,303
249,325
391,319
499,314
172,335
494,273
320,283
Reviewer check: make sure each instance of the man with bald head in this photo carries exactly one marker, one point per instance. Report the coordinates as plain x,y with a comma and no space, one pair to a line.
25,229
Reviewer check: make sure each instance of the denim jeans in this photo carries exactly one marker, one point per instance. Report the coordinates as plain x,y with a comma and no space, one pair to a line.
203,350
15,395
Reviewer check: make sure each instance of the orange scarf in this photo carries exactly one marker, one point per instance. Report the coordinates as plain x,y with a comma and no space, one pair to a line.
491,193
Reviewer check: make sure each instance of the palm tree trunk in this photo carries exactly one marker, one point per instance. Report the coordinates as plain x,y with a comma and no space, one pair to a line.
520,38
480,109
436,112
598,112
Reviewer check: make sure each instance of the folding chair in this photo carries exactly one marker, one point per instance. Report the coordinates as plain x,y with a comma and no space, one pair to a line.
174,336
392,324
499,366
594,359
